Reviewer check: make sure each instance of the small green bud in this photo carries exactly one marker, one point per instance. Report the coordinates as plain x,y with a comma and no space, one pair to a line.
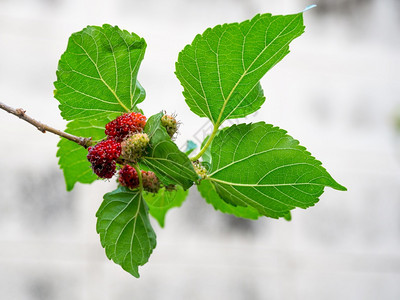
170,124
200,170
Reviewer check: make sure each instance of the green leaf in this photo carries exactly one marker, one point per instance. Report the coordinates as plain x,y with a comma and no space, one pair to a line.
208,192
159,204
288,216
125,230
260,166
97,74
96,81
220,71
164,158
72,157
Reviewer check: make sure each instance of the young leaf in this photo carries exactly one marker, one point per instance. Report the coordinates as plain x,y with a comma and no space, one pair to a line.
220,71
97,74
125,230
208,192
159,204
260,166
72,157
164,158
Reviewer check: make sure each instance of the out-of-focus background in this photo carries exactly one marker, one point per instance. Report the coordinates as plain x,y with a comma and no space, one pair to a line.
337,92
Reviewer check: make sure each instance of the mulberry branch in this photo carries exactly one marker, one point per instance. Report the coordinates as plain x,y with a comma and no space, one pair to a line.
20,113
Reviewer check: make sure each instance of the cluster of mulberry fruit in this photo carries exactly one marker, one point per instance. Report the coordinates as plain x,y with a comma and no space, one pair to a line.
126,141
103,155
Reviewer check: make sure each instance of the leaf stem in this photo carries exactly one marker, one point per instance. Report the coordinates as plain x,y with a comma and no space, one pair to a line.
139,176
20,113
210,139
115,95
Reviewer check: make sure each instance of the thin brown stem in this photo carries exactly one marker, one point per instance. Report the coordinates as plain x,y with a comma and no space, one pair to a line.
20,113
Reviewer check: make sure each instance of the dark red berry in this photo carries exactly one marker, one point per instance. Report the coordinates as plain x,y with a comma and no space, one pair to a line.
124,125
102,156
128,177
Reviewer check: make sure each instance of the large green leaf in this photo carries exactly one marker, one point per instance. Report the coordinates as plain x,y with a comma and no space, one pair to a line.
260,166
207,190
220,71
125,230
97,74
72,157
160,203
164,158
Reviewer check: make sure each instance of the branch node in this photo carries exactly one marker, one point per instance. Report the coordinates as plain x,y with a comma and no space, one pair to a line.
86,142
20,112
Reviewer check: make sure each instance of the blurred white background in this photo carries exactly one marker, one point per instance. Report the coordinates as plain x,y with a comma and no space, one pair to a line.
337,92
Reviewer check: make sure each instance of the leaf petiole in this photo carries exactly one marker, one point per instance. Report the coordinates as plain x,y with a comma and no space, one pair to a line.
209,141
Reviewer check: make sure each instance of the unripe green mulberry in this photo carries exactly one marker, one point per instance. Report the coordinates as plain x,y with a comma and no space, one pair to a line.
170,124
134,146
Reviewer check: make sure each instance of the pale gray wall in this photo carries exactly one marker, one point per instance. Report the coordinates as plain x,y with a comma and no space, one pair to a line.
337,92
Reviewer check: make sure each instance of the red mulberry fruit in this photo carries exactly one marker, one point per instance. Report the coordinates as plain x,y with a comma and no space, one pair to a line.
124,125
102,156
128,177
